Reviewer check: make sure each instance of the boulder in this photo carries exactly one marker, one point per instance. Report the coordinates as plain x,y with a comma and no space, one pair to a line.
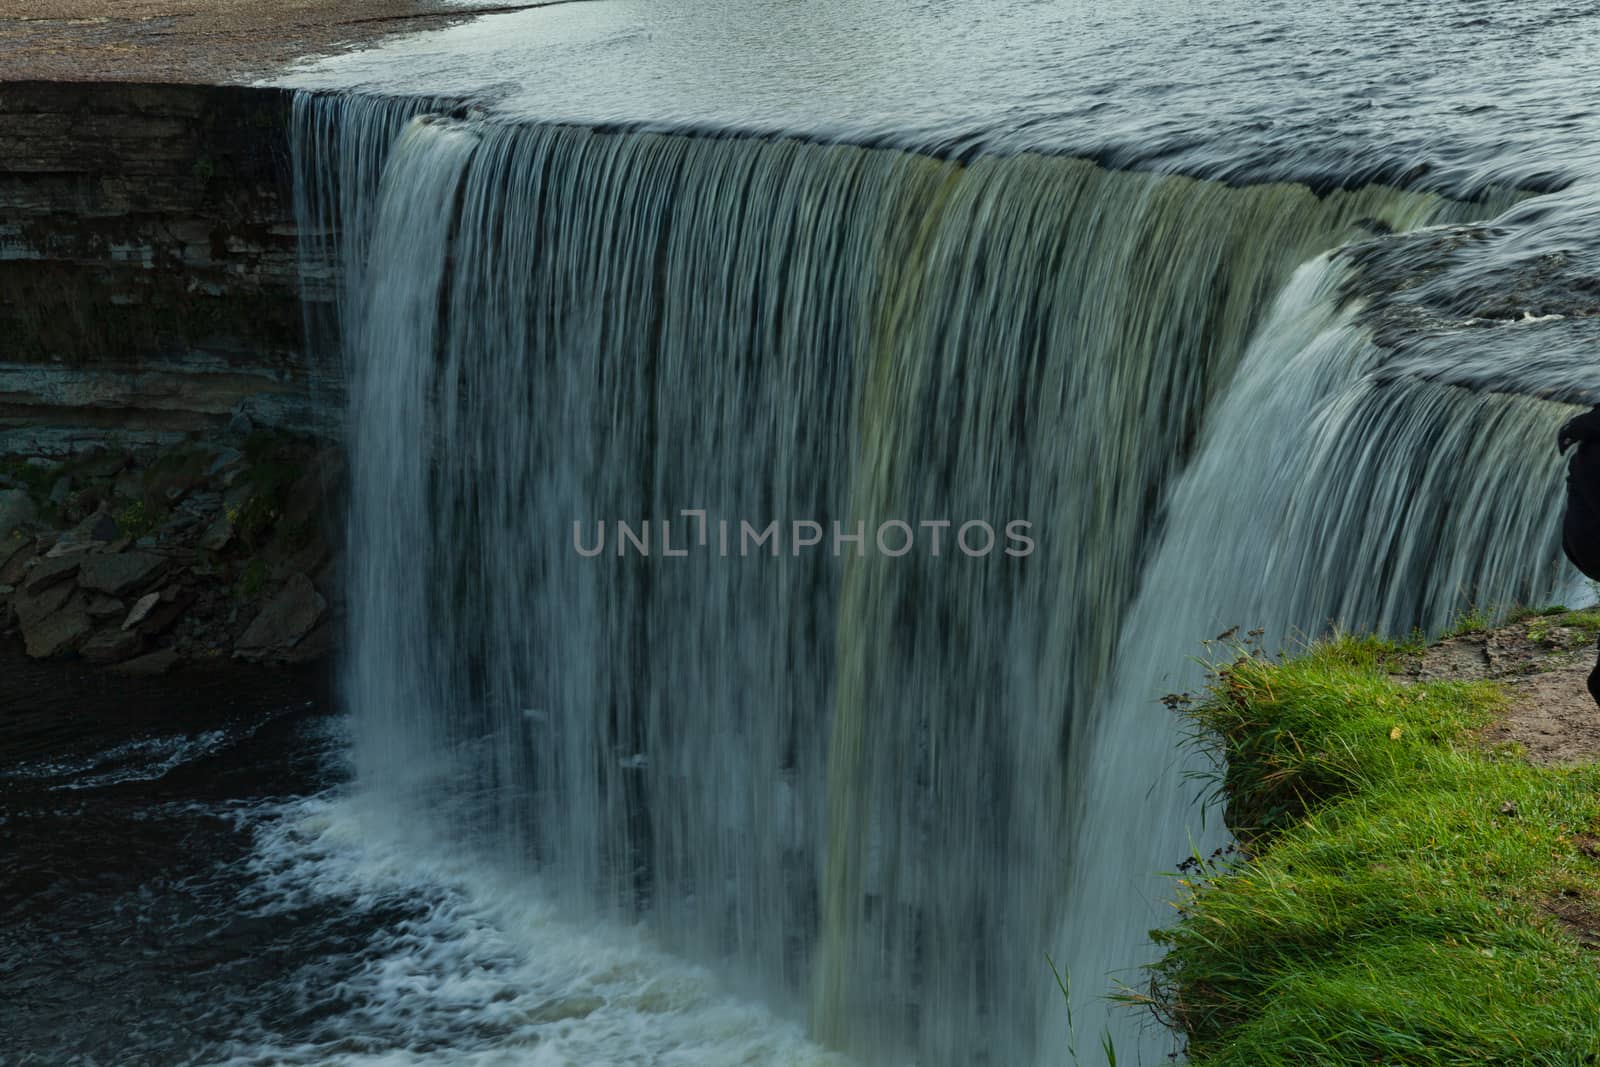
169,609
218,534
119,574
287,618
150,664
106,607
314,646
49,572
226,460
141,610
32,608
56,633
13,556
112,646
16,508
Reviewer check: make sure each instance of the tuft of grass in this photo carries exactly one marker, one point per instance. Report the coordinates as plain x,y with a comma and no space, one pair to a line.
1398,897
136,519
1470,621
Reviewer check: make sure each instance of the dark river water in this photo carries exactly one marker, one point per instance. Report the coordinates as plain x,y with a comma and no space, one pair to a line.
187,876
128,814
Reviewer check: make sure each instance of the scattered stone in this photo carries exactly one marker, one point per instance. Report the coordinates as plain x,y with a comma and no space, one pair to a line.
174,476
141,610
201,503
105,607
51,570
32,608
112,646
16,508
168,610
12,557
314,646
69,572
57,633
1508,808
218,534
226,459
116,575
180,522
150,664
287,618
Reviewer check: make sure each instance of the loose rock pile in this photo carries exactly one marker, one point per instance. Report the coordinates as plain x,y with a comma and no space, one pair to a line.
142,560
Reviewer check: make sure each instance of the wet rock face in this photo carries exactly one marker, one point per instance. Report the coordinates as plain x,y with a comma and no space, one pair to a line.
149,282
126,568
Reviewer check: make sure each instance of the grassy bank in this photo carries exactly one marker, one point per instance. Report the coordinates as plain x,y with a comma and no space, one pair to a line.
1407,894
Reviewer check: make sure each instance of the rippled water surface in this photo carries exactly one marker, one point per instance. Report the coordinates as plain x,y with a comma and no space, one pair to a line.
1458,94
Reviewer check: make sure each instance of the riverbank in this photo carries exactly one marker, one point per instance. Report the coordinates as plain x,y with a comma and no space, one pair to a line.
140,560
1419,835
193,41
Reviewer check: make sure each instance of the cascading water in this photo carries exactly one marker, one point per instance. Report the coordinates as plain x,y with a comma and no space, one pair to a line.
1317,497
879,789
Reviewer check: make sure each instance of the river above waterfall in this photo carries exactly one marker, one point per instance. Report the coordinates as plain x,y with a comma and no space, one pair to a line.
1449,96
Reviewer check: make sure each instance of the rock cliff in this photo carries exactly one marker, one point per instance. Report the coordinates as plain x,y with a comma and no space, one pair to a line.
166,442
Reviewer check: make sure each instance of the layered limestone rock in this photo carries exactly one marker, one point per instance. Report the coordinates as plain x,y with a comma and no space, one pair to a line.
165,440
149,282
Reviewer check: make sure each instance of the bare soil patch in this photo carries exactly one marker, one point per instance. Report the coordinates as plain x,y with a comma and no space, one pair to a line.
1544,664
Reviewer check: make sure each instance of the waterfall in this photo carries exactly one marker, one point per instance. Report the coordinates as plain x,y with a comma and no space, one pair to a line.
873,788
1322,495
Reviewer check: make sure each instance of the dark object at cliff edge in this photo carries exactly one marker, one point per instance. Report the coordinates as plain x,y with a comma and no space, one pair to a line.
1580,528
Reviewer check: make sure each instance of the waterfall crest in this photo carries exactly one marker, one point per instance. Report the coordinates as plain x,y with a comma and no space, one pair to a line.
864,784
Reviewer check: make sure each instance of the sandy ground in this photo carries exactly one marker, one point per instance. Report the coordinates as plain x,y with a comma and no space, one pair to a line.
204,41
1544,666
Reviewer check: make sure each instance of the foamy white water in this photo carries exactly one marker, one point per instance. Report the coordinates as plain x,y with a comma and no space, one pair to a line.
480,971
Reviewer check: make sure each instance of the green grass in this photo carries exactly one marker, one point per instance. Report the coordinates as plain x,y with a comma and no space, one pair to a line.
1393,903
1577,628
1470,621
